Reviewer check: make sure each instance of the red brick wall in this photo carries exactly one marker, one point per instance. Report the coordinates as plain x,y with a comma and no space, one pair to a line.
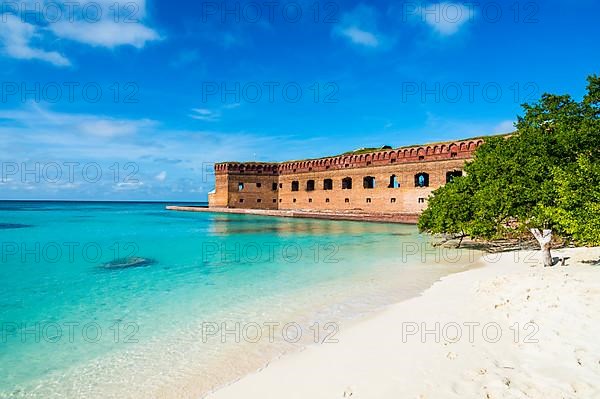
405,163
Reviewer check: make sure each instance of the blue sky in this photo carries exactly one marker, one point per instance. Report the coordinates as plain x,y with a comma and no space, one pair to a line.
103,100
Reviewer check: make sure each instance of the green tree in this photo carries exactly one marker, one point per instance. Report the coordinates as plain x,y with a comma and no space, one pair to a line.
577,209
537,178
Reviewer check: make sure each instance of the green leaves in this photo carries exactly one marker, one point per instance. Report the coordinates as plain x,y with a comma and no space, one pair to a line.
545,176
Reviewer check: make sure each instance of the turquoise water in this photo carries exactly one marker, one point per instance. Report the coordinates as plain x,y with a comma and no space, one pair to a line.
122,300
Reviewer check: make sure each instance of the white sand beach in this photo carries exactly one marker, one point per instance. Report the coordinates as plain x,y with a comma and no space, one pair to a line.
511,329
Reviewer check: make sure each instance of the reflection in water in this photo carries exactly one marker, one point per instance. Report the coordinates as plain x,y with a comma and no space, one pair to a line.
252,225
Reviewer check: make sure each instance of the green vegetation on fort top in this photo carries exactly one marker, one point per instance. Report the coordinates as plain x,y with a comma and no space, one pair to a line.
387,147
545,176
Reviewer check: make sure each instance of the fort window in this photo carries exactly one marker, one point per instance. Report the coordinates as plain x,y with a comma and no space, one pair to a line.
259,185
327,200
453,154
369,182
241,200
421,200
327,167
240,186
310,200
368,200
368,163
294,200
394,182
280,200
280,185
452,174
259,200
327,184
347,200
393,200
295,186
422,180
274,200
310,185
393,160
310,169
421,157
346,183
274,187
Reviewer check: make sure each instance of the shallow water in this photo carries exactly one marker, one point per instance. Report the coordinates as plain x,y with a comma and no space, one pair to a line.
195,300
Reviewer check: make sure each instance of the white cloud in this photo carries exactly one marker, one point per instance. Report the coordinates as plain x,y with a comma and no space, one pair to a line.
359,36
359,26
208,115
98,23
35,118
445,18
106,33
204,114
16,37
109,128
33,134
125,186
162,176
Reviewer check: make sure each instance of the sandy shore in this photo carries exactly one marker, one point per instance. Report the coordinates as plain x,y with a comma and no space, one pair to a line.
511,329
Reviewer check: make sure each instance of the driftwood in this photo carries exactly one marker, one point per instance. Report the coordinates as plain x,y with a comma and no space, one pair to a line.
495,246
544,239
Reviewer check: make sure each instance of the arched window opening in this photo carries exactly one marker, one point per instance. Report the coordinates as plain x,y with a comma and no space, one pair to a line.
327,184
394,183
310,185
369,182
295,186
346,183
422,180
453,174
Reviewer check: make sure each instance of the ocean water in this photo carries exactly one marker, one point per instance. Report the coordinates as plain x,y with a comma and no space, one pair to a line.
128,300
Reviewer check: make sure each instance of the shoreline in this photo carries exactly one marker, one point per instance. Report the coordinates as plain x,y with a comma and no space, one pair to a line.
352,215
350,322
547,345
